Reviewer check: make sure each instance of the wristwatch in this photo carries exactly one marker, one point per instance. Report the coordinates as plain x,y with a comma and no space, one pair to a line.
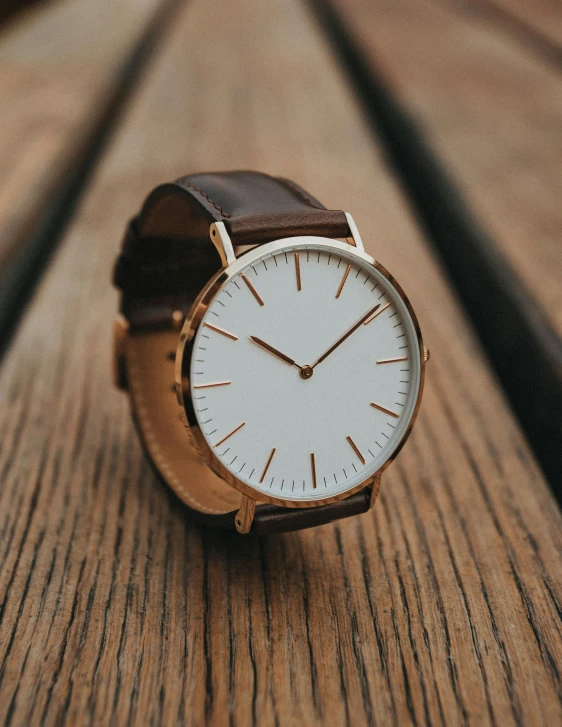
274,368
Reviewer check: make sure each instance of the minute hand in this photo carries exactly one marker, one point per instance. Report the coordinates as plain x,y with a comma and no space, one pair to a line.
345,335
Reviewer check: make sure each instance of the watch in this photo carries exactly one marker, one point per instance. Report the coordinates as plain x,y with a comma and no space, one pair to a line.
274,368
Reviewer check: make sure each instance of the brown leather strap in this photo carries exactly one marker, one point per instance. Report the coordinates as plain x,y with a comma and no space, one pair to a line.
167,258
255,208
271,519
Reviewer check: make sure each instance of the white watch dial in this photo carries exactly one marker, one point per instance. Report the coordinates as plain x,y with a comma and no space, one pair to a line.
305,370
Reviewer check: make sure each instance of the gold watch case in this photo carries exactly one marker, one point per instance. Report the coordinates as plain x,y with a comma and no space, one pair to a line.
185,351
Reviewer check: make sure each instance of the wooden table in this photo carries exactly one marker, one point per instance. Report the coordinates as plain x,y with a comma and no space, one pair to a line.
440,606
467,95
66,69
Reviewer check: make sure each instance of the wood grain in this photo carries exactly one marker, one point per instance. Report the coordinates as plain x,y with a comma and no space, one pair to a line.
64,67
536,23
472,119
441,606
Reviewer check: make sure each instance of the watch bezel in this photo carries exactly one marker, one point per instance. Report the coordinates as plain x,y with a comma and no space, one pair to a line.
185,351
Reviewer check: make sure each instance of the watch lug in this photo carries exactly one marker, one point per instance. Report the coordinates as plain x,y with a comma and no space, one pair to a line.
221,240
356,237
375,489
120,333
245,515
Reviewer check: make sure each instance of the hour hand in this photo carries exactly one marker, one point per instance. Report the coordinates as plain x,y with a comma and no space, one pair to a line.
273,351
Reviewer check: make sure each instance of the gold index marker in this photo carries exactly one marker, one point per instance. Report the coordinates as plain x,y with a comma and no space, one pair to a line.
252,290
221,331
212,384
355,448
372,318
237,429
348,268
384,410
263,474
391,360
298,270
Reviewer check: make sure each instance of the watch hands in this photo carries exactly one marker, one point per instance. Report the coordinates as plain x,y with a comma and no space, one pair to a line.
274,351
306,371
345,335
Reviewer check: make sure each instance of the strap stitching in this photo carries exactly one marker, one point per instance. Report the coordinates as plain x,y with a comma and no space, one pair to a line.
206,196
296,190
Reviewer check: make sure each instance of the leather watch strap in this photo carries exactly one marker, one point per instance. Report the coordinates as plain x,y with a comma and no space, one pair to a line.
255,208
167,258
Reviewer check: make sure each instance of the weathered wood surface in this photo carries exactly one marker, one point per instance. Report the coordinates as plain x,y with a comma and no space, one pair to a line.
63,66
539,22
489,109
441,606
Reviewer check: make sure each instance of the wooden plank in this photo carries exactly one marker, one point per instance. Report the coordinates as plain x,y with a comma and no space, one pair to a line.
472,119
440,606
536,22
65,67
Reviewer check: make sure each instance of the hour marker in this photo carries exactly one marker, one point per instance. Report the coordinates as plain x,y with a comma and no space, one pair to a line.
298,270
348,268
385,410
313,467
392,360
230,434
355,448
221,331
214,383
263,474
372,318
252,290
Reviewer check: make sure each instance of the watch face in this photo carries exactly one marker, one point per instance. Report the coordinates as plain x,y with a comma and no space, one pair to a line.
305,370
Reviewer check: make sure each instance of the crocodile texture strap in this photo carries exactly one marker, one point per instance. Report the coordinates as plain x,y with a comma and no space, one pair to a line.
166,260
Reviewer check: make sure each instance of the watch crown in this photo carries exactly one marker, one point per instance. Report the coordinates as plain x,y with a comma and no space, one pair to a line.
177,319
426,354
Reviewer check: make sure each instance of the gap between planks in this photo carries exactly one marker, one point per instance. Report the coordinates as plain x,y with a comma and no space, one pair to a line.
26,245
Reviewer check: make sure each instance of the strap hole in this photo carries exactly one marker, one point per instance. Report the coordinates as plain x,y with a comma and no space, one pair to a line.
171,356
